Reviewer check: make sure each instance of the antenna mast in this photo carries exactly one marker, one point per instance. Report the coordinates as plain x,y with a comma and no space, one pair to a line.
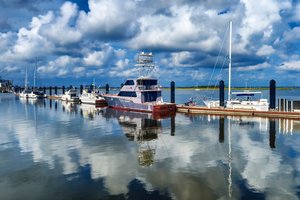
145,63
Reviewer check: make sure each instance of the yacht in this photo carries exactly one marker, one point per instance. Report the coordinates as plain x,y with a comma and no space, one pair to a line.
70,96
142,94
92,97
244,100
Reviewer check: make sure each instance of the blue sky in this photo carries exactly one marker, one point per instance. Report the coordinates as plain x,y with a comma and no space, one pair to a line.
73,42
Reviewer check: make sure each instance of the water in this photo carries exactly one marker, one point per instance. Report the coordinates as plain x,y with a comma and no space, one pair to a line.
53,150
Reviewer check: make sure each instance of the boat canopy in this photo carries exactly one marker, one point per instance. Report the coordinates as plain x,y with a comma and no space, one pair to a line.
246,93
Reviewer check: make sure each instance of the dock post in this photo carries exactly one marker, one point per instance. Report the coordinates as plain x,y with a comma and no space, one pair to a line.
63,89
44,90
272,132
272,94
221,129
172,92
221,93
81,89
50,90
55,90
107,88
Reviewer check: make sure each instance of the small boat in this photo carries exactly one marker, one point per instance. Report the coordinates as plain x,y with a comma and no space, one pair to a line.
92,97
142,94
70,96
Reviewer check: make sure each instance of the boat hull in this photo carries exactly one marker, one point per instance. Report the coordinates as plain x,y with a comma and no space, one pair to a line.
93,101
125,104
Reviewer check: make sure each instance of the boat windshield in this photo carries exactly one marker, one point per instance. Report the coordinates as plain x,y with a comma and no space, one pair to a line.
150,96
147,82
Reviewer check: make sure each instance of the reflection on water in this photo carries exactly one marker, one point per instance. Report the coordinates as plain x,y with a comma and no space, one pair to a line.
71,151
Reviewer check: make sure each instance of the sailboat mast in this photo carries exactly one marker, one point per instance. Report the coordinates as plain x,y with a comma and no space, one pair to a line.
26,84
34,77
229,65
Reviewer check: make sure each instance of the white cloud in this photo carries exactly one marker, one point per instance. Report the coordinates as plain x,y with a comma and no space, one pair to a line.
99,58
111,19
254,67
290,66
260,17
265,50
176,31
60,30
61,66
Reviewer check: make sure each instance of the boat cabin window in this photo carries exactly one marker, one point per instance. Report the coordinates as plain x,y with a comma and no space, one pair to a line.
127,94
146,82
129,82
151,96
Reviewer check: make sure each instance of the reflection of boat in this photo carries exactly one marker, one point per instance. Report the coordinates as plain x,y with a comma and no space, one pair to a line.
70,96
89,111
92,97
142,94
70,107
142,128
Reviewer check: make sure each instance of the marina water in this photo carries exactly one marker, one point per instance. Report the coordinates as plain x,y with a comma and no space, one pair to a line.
54,150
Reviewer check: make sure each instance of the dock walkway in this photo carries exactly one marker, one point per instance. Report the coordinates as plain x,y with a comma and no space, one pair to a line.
226,111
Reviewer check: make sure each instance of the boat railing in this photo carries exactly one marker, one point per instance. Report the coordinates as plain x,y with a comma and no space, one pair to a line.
148,87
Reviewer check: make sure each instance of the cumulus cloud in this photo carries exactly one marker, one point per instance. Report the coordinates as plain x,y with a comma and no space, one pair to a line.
61,29
176,31
265,50
180,33
290,66
109,19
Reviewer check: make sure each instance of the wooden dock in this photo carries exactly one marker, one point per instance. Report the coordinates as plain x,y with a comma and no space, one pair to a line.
237,112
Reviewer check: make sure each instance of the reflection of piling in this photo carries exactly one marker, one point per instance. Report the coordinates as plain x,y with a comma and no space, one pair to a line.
172,125
172,92
221,93
55,105
221,129
272,131
272,94
50,104
81,89
107,88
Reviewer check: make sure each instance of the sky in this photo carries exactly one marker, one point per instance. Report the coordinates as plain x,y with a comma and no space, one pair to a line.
73,42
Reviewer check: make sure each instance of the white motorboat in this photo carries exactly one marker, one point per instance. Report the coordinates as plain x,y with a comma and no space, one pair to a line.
70,96
92,97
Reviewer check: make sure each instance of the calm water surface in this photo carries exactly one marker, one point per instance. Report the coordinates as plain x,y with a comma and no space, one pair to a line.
53,150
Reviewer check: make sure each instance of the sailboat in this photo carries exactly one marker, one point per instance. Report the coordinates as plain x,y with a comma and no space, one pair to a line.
243,99
26,91
35,94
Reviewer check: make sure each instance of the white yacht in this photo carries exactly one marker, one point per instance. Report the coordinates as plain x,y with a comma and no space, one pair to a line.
70,96
141,94
244,100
